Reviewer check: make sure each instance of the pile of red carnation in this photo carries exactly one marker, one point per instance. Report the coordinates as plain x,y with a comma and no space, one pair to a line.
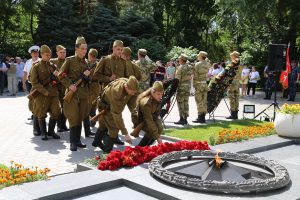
133,156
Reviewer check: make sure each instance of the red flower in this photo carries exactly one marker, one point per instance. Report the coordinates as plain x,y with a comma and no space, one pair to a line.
64,75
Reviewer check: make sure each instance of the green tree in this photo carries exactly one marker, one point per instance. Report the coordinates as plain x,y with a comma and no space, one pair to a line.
156,50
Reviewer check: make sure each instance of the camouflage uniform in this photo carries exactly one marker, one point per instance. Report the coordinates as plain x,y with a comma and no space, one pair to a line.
183,74
145,68
200,75
233,91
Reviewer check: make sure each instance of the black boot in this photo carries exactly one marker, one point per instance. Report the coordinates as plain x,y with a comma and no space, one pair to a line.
78,137
202,118
59,124
87,129
64,121
73,146
118,141
51,127
198,119
36,127
42,124
98,138
30,118
92,114
181,121
185,122
231,115
145,141
108,143
234,114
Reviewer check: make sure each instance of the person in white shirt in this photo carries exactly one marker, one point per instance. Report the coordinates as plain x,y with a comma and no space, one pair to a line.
34,52
20,73
244,79
253,78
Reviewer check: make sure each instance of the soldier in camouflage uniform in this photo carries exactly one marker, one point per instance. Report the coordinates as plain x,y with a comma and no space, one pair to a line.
148,111
59,61
233,91
113,100
73,69
199,80
183,74
146,66
131,70
47,100
110,68
94,90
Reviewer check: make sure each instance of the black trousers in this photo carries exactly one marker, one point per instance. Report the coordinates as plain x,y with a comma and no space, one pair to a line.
251,86
28,86
2,79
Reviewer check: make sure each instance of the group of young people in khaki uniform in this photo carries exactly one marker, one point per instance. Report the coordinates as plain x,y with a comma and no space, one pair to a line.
112,83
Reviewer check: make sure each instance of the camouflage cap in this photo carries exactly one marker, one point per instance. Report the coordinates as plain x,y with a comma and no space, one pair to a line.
183,57
158,86
127,51
132,83
118,43
45,49
202,53
142,52
60,47
80,40
93,52
235,53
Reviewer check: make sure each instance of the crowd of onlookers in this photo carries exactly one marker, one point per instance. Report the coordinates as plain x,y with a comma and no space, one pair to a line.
11,75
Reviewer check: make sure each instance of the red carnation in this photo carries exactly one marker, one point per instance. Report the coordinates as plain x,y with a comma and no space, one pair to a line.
64,75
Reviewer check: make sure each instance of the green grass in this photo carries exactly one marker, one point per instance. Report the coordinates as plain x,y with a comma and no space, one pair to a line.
207,132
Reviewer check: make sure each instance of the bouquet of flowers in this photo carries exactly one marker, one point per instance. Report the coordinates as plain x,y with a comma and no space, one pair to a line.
290,109
133,156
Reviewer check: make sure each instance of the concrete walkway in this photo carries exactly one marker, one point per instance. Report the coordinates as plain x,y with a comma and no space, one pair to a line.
18,143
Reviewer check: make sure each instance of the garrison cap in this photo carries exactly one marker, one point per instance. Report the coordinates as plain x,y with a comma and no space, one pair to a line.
45,49
183,57
60,47
118,43
127,51
80,40
158,86
142,52
235,53
132,83
93,52
202,53
34,48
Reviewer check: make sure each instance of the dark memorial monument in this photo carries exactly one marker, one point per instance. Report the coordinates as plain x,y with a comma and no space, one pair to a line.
223,172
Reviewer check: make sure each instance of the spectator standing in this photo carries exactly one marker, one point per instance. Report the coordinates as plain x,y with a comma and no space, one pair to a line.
34,52
170,71
253,78
19,73
11,78
293,79
159,73
244,79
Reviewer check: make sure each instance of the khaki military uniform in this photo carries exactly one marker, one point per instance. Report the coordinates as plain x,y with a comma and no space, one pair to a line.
108,66
146,67
234,91
114,99
200,76
183,74
61,87
70,72
44,103
147,111
94,87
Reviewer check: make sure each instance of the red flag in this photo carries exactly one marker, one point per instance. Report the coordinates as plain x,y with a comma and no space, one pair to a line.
284,74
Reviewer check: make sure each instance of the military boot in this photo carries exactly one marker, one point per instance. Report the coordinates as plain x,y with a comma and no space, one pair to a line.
98,138
181,121
78,137
108,143
145,141
234,114
231,115
51,127
36,127
73,146
202,118
87,128
63,122
118,141
198,119
185,122
42,124
59,124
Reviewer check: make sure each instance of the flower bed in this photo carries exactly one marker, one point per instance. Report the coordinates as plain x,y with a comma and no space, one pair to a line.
227,135
17,174
133,156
